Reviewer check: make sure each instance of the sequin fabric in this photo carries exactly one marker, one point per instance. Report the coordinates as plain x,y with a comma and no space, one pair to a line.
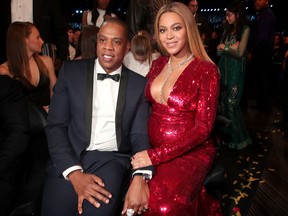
182,150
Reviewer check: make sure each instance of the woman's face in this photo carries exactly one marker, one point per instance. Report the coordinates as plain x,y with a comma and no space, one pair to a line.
34,41
173,34
103,4
230,17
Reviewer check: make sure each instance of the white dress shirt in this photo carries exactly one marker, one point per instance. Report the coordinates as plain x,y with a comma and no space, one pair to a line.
103,130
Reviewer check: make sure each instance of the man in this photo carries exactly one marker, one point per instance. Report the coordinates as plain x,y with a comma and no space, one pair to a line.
46,15
14,137
202,23
94,126
260,49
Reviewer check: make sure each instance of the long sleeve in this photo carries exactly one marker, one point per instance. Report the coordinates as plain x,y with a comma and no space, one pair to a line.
192,134
241,49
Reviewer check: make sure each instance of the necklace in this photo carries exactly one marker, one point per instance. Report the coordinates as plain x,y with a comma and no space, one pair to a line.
180,64
170,72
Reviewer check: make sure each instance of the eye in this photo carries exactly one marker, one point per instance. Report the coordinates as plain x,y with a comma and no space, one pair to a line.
117,42
177,28
101,40
162,30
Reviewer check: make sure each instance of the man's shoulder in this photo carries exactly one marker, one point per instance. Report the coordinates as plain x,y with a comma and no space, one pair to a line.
133,75
76,64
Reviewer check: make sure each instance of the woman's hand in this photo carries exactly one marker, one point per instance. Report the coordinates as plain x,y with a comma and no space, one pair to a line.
140,160
220,47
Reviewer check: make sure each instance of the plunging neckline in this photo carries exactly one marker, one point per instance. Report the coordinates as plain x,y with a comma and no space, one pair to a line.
174,85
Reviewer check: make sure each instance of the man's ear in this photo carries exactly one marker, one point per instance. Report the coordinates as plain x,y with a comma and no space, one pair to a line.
128,47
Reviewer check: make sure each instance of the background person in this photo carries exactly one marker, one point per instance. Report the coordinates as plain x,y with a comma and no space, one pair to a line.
35,72
232,63
46,16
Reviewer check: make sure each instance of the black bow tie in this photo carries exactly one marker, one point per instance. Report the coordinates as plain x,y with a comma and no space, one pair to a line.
115,77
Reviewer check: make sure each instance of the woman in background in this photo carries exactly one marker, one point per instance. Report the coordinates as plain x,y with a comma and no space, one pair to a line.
232,63
34,71
183,88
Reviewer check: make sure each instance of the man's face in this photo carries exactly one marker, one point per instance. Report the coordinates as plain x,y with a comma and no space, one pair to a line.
112,45
193,6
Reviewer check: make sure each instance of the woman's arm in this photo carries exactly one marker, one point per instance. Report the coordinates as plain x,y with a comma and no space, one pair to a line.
51,72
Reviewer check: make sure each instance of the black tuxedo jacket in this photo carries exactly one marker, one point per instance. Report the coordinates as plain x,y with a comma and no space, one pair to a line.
70,114
47,16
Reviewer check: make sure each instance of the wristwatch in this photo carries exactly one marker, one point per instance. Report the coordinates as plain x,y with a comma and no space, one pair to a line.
146,177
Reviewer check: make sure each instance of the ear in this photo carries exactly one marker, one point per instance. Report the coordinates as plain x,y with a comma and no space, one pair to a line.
127,47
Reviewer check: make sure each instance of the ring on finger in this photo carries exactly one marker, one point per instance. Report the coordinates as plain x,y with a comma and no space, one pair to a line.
130,212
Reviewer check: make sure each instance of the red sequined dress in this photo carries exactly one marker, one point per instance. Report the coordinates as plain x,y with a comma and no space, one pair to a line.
182,150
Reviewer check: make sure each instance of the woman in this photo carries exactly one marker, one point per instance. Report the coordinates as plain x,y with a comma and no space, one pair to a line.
183,88
35,72
232,64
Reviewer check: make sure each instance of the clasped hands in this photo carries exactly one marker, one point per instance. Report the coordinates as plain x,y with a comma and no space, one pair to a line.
137,197
221,46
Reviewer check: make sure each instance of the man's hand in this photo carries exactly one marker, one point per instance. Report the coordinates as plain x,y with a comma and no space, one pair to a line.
140,160
89,187
137,196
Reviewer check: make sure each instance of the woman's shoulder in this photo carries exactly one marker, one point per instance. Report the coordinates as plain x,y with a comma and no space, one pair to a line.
209,68
4,70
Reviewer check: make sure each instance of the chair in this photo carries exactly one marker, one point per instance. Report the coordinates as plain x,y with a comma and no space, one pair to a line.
33,165
215,178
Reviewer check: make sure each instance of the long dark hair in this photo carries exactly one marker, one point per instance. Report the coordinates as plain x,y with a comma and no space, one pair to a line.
86,47
238,9
17,56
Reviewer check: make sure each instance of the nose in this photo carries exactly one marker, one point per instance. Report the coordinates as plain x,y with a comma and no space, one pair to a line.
108,45
41,41
169,34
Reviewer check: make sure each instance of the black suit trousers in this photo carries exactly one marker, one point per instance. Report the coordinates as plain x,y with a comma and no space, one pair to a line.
60,198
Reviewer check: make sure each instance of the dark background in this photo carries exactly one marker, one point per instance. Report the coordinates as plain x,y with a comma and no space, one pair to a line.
69,8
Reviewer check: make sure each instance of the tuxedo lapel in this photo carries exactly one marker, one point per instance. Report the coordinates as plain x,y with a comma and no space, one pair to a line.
121,104
89,98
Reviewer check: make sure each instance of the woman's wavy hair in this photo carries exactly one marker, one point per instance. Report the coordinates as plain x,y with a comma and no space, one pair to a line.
195,43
